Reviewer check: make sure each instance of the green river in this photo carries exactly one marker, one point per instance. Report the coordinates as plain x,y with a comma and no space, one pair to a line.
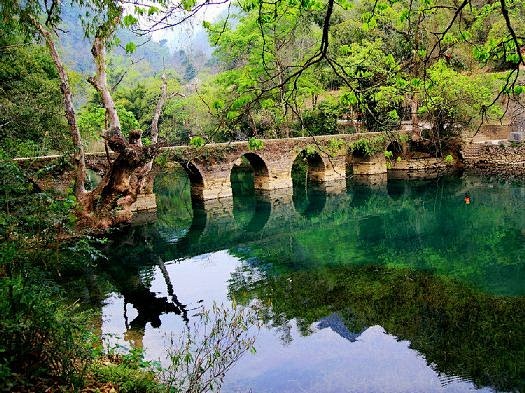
399,286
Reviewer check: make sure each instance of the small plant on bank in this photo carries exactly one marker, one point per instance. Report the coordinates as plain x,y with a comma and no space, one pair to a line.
197,141
200,358
129,372
449,160
255,144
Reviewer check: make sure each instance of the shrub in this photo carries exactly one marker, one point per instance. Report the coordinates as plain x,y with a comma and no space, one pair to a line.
197,141
449,160
369,147
40,337
201,357
129,372
323,119
255,144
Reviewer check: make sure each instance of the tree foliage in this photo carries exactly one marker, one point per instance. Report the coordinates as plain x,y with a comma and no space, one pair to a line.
31,111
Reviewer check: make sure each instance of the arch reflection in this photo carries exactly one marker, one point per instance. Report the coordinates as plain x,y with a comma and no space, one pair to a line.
251,208
309,191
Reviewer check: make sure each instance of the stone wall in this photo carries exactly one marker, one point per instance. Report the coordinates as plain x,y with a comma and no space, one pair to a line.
422,168
505,160
489,132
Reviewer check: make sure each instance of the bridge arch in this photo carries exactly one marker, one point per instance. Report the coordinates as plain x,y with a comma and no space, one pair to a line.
395,148
196,180
249,176
308,174
308,167
253,163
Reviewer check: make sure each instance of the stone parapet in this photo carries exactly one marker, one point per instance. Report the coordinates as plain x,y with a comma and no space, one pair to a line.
209,167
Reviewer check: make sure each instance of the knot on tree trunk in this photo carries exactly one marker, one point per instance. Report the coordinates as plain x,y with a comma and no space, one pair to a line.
135,137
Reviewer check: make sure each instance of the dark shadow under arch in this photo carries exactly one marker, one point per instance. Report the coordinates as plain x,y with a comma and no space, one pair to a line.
396,188
251,162
263,210
198,225
249,176
395,148
308,167
196,180
354,157
309,193
251,212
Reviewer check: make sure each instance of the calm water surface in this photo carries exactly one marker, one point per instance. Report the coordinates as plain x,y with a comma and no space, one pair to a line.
397,286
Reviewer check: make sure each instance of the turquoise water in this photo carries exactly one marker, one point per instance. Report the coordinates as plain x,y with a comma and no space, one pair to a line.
396,286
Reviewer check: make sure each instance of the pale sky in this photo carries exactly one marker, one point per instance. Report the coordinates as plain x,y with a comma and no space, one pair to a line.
181,36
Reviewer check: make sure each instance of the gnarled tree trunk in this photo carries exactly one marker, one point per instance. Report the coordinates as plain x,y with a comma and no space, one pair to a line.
110,202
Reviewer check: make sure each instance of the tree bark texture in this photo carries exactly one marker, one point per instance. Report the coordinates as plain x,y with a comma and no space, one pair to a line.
67,97
146,178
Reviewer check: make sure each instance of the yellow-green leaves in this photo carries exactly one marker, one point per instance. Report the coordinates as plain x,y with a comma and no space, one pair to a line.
130,47
255,144
348,98
187,4
129,20
197,141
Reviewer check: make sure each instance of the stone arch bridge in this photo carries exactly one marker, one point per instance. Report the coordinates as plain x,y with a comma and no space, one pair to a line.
328,157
